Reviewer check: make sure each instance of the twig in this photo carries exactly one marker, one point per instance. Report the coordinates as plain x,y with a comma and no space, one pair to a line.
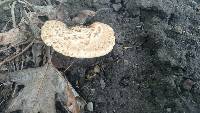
69,66
14,91
4,28
21,43
25,2
13,14
2,101
48,2
16,55
22,65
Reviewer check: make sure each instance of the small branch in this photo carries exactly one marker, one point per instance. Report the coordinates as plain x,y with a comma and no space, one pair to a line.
21,43
48,2
16,55
2,101
25,2
69,66
14,91
4,28
13,14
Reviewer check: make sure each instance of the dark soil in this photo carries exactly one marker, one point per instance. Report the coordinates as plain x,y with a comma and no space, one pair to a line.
154,66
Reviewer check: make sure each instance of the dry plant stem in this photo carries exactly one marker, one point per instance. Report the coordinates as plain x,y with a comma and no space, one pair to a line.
69,66
2,101
13,14
49,2
4,49
4,28
14,92
16,55
24,2
22,66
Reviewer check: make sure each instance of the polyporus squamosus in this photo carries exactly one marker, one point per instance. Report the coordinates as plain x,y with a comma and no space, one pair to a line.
80,41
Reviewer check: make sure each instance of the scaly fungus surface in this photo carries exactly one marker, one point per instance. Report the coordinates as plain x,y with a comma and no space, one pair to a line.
80,41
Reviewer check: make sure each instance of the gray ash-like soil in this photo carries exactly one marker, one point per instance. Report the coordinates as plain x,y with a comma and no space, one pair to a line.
155,64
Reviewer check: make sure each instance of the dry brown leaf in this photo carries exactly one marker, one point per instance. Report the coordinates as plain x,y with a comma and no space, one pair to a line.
41,86
71,103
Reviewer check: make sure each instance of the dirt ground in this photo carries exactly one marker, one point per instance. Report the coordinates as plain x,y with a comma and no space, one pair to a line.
153,68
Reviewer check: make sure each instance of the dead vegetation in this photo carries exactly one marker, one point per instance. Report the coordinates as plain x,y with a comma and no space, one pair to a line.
40,87
21,44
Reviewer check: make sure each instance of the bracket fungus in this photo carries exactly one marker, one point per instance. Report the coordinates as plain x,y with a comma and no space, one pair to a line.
80,41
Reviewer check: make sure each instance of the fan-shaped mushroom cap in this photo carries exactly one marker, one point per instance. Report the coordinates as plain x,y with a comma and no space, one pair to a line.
80,41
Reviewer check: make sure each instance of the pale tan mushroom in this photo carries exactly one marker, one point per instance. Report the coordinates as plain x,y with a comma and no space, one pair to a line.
80,41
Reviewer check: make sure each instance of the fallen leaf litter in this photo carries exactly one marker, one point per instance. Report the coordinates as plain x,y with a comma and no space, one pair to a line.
42,83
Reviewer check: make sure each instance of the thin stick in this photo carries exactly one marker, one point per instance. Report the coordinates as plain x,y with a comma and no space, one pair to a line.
14,91
16,55
69,66
25,2
13,14
48,2
4,28
21,43
2,101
